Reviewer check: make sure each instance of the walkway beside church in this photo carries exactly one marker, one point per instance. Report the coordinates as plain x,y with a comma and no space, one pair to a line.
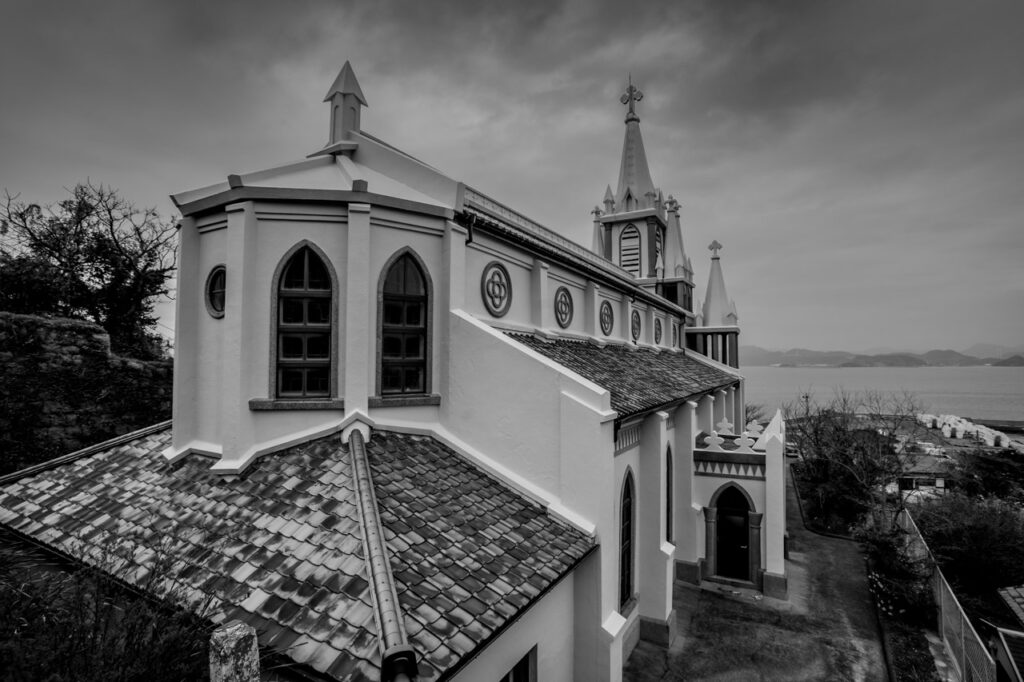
826,631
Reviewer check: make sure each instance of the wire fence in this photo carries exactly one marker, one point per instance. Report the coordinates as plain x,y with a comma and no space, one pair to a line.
968,653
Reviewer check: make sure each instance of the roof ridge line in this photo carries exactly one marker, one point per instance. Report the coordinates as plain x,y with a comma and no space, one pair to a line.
84,452
397,656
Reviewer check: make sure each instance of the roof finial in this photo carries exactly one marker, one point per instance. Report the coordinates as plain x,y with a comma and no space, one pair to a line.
631,96
714,247
347,99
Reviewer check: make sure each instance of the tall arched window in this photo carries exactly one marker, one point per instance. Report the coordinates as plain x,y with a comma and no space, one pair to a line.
629,250
668,494
626,542
403,334
304,327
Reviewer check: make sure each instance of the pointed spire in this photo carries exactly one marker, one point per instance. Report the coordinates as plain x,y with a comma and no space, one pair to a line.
346,84
347,101
634,175
719,310
609,200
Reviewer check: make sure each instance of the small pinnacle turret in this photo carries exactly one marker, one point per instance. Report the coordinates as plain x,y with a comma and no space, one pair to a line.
718,310
347,101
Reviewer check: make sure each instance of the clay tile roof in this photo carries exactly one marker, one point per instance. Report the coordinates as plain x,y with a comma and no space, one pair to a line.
639,379
280,547
1014,598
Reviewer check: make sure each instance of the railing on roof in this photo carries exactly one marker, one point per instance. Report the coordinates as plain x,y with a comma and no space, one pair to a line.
966,649
500,210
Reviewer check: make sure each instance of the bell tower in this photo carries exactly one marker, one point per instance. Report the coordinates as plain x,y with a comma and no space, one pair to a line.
638,228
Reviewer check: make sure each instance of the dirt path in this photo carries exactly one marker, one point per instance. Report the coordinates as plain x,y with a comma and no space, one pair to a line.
826,630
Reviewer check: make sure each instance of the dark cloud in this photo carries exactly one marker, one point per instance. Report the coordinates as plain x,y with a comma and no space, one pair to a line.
856,156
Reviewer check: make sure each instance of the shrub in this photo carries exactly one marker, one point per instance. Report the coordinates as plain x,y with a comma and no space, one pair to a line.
83,626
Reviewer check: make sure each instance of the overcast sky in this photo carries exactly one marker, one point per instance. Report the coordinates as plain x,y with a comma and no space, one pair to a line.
862,162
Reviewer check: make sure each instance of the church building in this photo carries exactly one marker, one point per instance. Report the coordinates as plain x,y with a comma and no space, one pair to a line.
416,433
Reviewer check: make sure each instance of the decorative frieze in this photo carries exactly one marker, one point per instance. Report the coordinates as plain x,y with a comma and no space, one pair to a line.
728,465
627,438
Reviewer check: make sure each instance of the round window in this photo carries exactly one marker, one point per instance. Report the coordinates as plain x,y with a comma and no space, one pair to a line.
215,287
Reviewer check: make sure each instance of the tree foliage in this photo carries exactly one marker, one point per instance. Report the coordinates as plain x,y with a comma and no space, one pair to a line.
94,256
979,545
852,449
990,474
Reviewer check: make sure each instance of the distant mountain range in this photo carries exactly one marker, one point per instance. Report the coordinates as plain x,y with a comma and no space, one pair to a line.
802,357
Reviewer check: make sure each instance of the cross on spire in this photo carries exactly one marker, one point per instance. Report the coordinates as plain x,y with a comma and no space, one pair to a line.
630,97
714,247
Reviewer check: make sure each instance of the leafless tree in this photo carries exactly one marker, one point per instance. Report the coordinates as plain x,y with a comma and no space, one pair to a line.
93,255
854,446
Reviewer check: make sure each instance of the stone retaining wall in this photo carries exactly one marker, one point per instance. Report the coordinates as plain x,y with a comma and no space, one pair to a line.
61,389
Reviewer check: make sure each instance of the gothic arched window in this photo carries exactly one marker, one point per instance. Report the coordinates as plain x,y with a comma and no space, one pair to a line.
403,334
626,541
304,327
629,250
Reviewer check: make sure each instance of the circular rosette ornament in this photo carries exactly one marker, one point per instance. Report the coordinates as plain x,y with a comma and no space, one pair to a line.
607,318
563,307
496,289
634,324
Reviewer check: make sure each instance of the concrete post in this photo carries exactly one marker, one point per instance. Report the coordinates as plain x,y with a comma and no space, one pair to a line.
686,521
719,411
754,545
710,540
186,337
626,315
591,310
706,415
647,335
360,361
775,581
238,366
654,554
453,298
541,309
234,654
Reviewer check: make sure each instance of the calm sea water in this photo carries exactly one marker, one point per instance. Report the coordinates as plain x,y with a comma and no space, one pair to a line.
981,392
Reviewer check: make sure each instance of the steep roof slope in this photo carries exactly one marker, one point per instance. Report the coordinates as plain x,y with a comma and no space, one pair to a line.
639,379
280,547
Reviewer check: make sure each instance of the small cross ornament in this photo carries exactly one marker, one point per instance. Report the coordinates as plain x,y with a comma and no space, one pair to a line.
631,96
714,441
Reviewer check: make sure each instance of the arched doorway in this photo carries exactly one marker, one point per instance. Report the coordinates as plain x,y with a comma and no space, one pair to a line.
733,535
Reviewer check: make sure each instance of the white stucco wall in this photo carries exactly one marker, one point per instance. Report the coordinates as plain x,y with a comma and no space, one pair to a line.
547,625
